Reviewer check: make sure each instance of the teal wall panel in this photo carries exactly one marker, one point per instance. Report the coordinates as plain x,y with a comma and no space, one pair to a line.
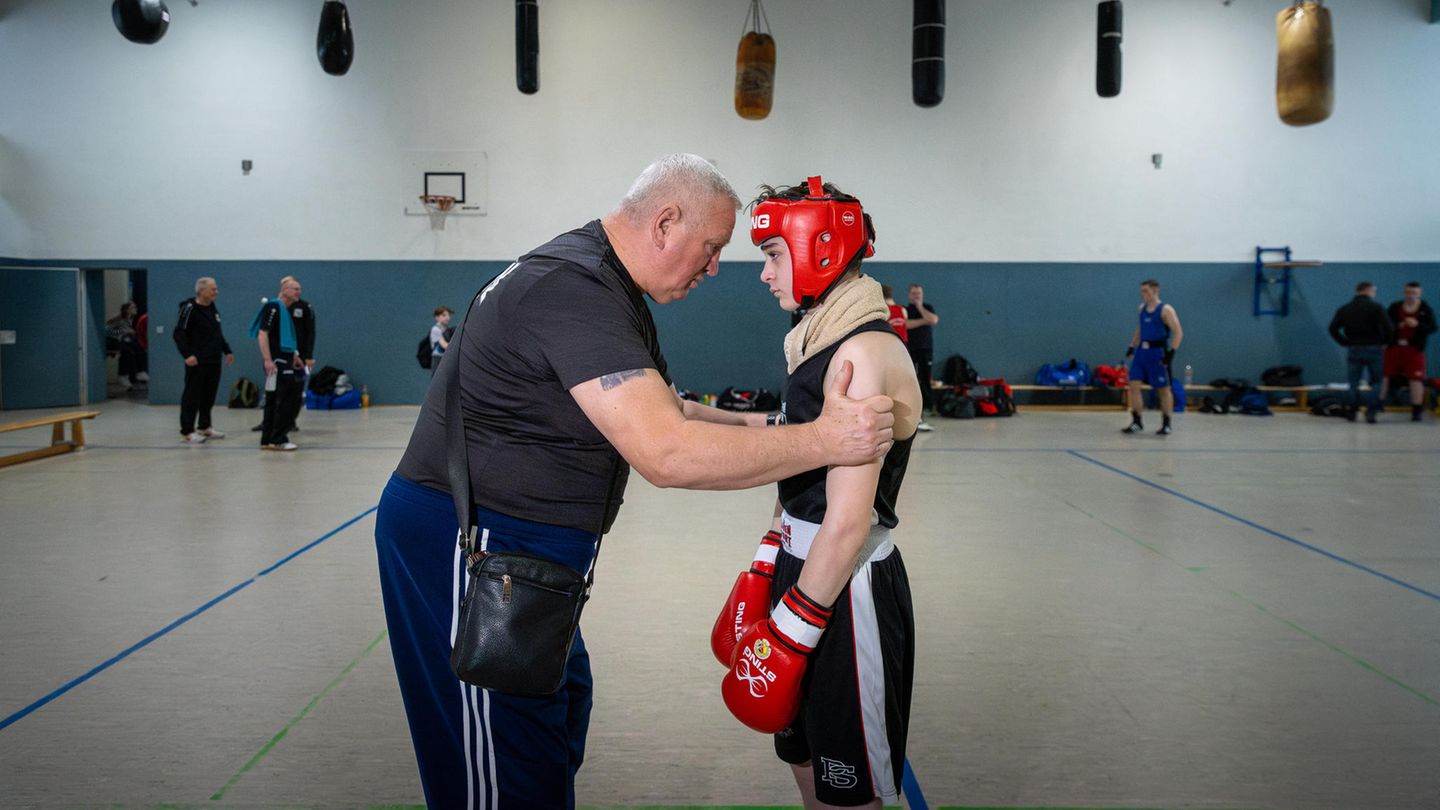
40,370
1007,318
94,316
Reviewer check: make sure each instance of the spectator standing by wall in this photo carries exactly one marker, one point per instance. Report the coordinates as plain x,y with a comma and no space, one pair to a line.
920,323
1411,322
202,343
439,336
1363,328
302,315
274,332
897,313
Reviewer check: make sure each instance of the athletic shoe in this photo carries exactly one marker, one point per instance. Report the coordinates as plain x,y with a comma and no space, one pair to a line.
212,433
1370,417
1135,427
258,428
193,438
1163,431
923,427
142,376
284,446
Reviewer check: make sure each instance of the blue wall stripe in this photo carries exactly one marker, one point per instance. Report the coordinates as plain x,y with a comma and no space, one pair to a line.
1252,524
17,716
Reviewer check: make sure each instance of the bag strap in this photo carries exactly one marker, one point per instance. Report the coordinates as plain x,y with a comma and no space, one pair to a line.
458,460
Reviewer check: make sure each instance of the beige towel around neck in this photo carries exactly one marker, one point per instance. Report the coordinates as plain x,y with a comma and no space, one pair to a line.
854,302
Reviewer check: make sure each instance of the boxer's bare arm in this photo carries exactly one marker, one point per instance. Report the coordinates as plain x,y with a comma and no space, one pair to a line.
706,413
881,367
639,414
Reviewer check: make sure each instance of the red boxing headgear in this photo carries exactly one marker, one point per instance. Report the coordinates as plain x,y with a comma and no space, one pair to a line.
824,235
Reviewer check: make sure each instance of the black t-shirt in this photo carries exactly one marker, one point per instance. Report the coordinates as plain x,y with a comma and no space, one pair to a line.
565,313
921,341
803,495
303,316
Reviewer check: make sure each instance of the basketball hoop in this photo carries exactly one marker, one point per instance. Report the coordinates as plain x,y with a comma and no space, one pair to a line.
437,206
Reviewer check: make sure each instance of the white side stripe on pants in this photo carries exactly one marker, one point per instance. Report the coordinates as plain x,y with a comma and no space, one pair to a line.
474,702
870,671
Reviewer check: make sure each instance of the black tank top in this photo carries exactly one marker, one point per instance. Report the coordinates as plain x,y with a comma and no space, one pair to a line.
803,495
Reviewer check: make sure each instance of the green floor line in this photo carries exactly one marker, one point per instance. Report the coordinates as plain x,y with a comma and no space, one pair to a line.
1198,572
259,755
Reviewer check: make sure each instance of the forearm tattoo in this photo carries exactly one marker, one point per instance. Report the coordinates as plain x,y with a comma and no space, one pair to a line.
609,381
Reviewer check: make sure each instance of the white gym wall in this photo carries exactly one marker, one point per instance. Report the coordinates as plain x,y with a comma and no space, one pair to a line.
112,150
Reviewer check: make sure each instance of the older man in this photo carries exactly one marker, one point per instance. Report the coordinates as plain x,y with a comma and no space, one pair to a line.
274,331
202,343
563,389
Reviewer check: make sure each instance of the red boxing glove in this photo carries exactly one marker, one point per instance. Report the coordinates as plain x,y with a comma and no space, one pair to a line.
749,601
762,688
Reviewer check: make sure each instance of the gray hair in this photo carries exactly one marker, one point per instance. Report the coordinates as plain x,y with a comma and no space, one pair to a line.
692,176
201,282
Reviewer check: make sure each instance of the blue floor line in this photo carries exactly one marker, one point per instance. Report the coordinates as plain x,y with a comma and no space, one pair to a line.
1252,524
139,645
914,797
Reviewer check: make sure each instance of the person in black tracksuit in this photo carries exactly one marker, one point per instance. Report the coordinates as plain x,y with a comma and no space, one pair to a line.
303,315
920,343
202,343
281,362
1363,328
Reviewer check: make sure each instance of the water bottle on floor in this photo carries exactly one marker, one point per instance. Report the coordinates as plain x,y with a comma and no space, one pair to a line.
1189,375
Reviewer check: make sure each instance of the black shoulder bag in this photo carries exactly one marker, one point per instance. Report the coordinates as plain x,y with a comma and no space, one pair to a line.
520,612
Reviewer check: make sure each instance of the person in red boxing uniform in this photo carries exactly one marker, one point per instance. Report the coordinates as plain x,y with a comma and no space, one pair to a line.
897,313
830,669
1413,321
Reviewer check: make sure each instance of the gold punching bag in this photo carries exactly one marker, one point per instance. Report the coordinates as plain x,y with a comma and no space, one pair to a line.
755,66
1305,71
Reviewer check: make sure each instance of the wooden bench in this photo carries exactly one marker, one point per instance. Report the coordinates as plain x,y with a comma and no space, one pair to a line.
58,444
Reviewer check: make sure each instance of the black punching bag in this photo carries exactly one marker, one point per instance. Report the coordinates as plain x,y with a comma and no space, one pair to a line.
927,66
142,21
1107,49
335,44
527,46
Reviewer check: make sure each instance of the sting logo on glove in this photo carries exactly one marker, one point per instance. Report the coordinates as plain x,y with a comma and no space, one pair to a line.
752,672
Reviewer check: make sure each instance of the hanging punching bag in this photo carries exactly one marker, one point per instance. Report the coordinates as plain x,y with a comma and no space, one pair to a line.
335,43
755,67
142,21
527,46
927,54
1305,70
1107,49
